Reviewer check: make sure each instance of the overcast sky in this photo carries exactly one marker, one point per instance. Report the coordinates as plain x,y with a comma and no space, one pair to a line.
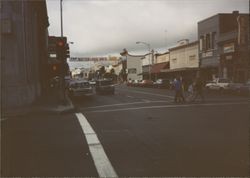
105,27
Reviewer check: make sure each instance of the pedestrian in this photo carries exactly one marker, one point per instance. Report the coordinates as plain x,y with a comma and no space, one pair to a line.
190,91
178,91
198,87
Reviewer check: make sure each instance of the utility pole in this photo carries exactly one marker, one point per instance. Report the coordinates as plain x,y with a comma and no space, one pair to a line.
166,37
61,18
62,82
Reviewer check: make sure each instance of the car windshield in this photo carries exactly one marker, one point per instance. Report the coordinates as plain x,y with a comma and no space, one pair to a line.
79,84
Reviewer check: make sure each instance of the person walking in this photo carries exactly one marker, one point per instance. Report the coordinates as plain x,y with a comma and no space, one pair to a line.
198,87
190,91
178,91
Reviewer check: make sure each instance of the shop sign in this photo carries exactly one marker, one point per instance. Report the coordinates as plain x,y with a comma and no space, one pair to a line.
228,48
207,54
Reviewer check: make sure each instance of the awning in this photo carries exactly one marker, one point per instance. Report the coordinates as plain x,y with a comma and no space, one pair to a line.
156,68
180,69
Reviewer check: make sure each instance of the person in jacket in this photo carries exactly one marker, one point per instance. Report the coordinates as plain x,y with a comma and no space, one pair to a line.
198,88
178,91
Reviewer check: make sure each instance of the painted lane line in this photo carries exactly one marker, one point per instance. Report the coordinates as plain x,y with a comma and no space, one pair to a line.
167,106
121,104
147,93
101,161
146,101
130,96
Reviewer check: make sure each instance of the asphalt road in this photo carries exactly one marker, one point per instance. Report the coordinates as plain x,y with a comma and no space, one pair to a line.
136,132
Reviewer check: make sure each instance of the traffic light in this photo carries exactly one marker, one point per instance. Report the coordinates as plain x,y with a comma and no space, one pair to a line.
67,53
54,70
60,48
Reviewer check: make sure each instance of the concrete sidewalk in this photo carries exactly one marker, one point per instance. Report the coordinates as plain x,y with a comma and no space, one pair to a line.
49,103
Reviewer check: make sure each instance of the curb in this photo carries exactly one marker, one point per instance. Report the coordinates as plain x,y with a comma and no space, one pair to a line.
57,109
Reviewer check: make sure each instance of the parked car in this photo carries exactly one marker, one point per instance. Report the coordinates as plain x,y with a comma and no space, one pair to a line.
146,83
80,88
130,82
209,83
105,86
92,82
136,83
162,83
245,88
219,84
234,88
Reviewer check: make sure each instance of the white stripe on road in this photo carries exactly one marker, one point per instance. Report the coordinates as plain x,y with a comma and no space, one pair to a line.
121,104
147,93
146,101
168,106
102,163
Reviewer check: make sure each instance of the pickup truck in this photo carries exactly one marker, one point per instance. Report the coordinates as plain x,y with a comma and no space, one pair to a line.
218,84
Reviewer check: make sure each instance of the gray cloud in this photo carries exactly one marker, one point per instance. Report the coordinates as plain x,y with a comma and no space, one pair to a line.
106,27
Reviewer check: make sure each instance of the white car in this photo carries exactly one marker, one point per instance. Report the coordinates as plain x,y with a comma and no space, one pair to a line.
218,84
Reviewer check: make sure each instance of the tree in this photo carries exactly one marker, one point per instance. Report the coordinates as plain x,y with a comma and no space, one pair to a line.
102,71
112,71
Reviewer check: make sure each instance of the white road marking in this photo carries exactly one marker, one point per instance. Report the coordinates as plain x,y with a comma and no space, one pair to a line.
102,163
146,101
121,104
169,106
147,93
130,96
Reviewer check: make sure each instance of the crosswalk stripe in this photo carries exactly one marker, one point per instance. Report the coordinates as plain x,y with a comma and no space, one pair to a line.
102,163
167,106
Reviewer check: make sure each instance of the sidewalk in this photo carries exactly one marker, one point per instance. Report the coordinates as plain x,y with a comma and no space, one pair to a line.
49,103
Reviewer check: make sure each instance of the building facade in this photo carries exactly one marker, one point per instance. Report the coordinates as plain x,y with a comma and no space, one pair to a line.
147,62
161,62
184,56
133,66
219,51
160,58
24,53
183,60
233,48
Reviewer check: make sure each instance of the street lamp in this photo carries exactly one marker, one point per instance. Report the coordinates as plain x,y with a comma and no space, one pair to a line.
61,11
149,63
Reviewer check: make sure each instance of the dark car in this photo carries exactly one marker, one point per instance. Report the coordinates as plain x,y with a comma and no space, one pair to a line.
245,88
105,86
130,82
162,83
80,88
146,83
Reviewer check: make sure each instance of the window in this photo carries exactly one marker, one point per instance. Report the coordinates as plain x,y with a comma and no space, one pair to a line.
174,60
208,42
201,43
213,40
132,71
192,57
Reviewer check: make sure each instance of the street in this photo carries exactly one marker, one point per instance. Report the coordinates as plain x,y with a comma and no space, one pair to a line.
136,132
